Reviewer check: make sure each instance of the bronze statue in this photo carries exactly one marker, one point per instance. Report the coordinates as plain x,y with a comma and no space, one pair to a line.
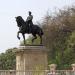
29,20
23,28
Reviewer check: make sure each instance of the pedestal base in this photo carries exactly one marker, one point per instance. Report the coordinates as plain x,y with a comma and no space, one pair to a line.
31,58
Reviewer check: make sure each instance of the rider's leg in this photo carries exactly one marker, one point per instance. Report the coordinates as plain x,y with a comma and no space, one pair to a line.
27,23
30,26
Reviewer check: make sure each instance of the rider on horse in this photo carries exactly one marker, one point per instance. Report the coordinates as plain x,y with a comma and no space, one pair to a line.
29,21
36,30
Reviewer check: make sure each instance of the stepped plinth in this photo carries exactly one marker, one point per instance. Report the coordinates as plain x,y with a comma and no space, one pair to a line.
31,58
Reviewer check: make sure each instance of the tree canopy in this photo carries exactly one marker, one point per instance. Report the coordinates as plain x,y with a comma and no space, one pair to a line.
8,60
59,37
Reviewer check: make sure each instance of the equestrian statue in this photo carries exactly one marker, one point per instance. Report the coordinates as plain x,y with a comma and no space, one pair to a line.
28,27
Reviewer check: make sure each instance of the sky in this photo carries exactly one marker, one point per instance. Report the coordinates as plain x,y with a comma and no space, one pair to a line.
9,9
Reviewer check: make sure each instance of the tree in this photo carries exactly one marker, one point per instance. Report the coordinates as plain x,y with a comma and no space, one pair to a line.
57,32
8,60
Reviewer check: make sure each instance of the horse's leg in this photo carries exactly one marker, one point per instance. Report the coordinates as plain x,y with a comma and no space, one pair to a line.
18,35
24,38
40,39
35,37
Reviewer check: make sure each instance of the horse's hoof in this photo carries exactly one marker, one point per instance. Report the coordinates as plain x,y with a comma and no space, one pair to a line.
18,38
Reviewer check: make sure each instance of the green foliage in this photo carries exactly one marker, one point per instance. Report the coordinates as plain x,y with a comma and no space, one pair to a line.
29,41
8,60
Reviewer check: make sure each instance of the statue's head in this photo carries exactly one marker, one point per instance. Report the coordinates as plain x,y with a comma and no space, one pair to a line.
18,17
30,12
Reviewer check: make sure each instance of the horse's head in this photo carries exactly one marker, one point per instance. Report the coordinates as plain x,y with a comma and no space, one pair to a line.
19,21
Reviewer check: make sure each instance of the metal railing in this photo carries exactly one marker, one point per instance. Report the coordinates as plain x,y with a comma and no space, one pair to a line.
39,72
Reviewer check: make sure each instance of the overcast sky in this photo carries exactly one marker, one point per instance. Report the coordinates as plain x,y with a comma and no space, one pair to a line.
12,8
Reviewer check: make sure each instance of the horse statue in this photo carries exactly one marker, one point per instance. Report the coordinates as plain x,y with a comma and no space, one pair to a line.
23,29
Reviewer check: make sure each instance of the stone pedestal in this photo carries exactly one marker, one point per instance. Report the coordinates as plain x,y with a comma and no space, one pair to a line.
30,59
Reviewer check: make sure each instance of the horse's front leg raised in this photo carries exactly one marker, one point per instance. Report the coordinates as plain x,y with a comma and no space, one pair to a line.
18,35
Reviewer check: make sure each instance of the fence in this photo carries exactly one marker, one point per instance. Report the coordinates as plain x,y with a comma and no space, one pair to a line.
41,72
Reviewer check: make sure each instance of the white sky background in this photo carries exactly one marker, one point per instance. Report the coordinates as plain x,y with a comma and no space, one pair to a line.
9,9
